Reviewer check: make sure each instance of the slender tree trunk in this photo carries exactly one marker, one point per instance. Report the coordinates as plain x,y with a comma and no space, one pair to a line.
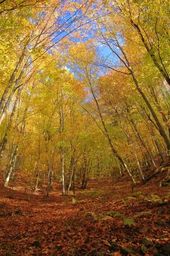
84,179
73,182
158,123
14,154
12,164
70,180
159,66
62,153
138,135
49,181
114,151
4,140
126,63
36,171
12,80
139,168
85,170
63,172
150,128
72,174
37,181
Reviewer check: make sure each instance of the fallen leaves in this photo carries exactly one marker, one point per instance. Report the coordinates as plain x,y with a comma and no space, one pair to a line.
102,226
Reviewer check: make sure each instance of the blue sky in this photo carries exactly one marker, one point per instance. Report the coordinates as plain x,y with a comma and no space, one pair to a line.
68,22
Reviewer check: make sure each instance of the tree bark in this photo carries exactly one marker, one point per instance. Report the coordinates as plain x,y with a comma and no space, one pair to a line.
151,53
158,123
12,164
62,153
114,151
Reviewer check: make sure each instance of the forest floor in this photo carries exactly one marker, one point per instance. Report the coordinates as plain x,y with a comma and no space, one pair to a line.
106,219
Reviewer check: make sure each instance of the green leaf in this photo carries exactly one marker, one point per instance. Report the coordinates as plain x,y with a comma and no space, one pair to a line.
115,214
128,221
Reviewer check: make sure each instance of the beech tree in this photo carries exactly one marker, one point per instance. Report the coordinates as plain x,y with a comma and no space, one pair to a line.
86,86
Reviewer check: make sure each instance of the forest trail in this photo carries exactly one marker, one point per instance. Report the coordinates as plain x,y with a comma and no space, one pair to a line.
107,219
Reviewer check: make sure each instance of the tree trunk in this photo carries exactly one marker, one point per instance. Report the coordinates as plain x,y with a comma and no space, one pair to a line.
37,182
152,55
4,140
49,181
63,173
62,153
126,63
140,168
158,123
84,179
106,133
12,164
12,80
138,135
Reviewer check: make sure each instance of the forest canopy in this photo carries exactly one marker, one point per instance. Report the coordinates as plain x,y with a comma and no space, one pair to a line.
84,90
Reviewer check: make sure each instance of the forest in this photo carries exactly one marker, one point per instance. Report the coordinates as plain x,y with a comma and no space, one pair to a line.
84,127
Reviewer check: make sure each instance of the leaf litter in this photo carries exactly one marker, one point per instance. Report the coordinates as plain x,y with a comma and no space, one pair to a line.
112,222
